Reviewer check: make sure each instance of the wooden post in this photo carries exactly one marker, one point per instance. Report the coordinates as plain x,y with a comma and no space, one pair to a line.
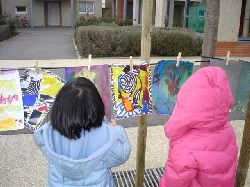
147,11
243,163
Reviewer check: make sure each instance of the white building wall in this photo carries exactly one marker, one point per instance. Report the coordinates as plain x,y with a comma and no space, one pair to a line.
38,13
229,20
161,10
65,13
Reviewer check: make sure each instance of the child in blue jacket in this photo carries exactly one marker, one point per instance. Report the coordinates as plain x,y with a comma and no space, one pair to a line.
80,145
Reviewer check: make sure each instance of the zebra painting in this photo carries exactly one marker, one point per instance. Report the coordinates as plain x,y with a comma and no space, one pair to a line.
131,90
38,94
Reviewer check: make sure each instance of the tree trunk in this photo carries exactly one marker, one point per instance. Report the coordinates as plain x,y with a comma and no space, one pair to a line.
243,163
211,29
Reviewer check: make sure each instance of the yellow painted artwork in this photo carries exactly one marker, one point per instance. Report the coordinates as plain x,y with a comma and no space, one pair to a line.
11,105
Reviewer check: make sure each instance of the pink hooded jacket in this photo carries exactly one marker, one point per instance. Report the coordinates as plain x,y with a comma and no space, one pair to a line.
203,150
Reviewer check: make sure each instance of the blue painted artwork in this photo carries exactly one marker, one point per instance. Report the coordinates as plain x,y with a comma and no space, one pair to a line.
167,81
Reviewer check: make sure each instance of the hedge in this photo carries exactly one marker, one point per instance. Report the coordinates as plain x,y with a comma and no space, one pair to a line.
10,21
93,20
108,41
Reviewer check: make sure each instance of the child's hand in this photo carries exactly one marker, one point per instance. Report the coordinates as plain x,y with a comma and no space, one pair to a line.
112,122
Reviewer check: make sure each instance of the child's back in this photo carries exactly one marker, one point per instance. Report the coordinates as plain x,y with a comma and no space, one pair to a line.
203,149
80,145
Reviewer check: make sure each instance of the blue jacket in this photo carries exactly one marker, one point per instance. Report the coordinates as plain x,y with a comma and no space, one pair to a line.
86,161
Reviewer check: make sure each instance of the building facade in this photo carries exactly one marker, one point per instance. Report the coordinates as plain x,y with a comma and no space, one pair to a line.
234,19
233,28
40,13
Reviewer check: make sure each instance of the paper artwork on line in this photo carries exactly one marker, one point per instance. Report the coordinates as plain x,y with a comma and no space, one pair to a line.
243,89
39,91
131,90
99,75
238,73
167,81
232,70
11,105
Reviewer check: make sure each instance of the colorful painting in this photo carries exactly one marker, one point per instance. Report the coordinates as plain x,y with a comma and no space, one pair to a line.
167,81
39,91
11,104
99,75
232,70
243,89
131,90
238,73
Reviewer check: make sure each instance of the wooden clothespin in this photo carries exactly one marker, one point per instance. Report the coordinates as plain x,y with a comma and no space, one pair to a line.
36,67
89,64
227,57
178,58
131,63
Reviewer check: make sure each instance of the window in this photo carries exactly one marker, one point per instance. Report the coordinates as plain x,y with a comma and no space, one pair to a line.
86,7
21,10
202,13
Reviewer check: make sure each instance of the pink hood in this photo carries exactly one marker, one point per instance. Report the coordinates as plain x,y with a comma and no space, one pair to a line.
202,151
203,102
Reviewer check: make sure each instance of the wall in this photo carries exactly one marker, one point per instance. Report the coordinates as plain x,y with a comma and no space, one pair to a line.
65,13
8,7
229,21
38,13
161,10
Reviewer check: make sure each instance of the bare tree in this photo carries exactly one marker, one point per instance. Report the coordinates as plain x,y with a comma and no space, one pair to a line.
211,29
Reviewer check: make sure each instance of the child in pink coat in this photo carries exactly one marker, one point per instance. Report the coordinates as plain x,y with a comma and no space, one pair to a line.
203,150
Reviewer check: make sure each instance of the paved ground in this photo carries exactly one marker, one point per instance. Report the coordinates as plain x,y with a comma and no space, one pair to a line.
22,163
39,43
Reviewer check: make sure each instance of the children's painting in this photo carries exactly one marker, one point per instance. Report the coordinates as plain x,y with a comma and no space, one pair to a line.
243,90
167,81
11,105
99,75
39,91
238,73
131,90
232,70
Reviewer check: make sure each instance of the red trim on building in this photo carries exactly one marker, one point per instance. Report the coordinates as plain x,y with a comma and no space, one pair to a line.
120,9
236,49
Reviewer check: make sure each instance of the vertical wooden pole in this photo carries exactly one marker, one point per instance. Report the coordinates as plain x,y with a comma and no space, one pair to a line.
142,123
243,163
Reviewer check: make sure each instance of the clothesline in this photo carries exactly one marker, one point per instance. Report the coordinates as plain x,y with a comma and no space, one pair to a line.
51,68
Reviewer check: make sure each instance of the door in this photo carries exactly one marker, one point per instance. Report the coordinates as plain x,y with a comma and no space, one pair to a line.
54,13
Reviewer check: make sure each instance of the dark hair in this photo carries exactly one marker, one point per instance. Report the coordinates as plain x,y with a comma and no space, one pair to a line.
78,107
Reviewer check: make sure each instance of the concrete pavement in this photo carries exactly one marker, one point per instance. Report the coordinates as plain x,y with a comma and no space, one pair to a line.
22,163
39,43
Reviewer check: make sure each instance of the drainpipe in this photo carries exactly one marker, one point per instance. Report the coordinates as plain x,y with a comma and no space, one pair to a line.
31,13
72,12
